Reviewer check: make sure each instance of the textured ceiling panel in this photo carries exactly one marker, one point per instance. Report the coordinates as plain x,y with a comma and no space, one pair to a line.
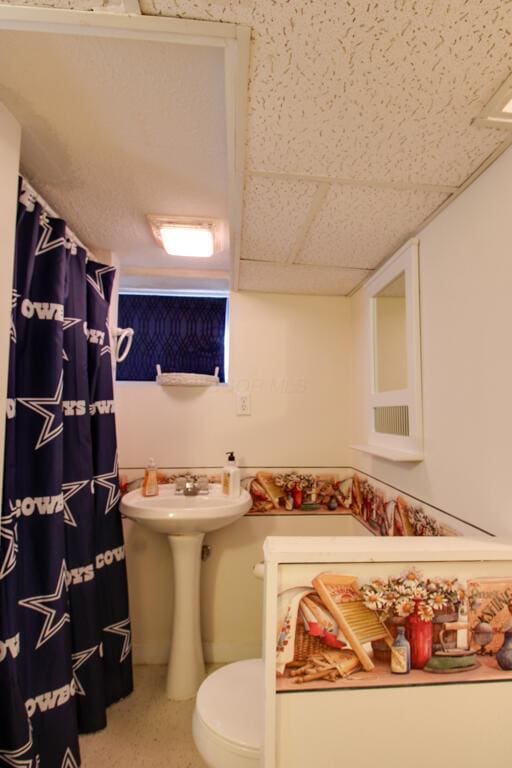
114,129
280,278
358,226
368,90
274,215
341,90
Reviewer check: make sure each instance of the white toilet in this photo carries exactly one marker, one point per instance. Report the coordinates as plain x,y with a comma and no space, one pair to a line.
228,718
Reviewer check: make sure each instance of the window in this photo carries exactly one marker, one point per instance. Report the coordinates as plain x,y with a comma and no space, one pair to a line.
183,334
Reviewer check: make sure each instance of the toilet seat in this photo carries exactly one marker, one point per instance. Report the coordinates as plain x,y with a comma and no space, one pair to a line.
228,718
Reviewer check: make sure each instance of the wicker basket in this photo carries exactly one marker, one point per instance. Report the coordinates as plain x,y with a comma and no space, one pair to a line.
305,645
186,379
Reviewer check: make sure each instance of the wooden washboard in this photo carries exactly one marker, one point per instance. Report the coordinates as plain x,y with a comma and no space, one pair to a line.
340,595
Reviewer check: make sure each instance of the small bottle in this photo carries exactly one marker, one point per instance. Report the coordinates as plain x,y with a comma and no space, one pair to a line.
401,654
150,482
231,477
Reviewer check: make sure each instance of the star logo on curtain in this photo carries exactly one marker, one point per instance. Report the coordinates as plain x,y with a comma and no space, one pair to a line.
69,760
54,618
97,280
41,406
69,322
110,481
70,490
14,757
122,629
45,243
79,658
14,300
8,532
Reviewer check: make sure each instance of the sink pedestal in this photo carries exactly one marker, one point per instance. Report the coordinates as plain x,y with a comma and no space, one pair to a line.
186,672
185,520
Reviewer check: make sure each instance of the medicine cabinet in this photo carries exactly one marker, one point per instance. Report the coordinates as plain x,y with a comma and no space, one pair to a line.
392,311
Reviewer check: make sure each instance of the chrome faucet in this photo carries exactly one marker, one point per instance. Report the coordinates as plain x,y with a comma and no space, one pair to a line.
191,485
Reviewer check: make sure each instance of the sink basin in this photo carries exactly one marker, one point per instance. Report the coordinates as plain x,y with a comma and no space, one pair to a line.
185,520
172,513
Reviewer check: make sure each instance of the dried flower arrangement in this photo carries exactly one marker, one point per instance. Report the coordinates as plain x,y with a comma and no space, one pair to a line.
410,594
423,524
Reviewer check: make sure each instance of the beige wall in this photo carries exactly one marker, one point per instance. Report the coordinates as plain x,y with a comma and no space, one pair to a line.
391,352
292,355
10,138
466,329
231,596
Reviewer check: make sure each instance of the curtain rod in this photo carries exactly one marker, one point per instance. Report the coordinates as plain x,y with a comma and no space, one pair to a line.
47,207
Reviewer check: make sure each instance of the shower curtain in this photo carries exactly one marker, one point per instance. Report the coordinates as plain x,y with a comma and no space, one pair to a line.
65,643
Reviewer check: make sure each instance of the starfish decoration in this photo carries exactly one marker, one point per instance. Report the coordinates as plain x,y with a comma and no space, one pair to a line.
40,405
14,300
69,760
8,532
14,757
45,243
110,481
97,280
79,658
41,604
122,628
69,490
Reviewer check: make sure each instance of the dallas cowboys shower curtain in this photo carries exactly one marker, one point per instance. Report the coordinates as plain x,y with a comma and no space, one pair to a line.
64,625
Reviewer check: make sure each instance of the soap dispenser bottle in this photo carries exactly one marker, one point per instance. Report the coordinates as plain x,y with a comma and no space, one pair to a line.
150,482
231,477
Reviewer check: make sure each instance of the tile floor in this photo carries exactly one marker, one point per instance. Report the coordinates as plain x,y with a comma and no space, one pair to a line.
145,730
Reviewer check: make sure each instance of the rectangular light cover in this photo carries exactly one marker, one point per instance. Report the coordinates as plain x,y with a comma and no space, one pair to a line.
187,241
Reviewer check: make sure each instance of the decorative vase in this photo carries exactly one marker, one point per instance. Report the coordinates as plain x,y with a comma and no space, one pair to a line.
297,497
419,634
504,655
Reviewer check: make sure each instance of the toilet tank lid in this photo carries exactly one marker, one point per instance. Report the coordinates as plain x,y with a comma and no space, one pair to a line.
230,702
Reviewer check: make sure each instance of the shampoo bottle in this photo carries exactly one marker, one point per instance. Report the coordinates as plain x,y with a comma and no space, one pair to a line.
231,477
150,482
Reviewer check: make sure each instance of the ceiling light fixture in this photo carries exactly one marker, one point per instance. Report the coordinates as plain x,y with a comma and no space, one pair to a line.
498,112
185,236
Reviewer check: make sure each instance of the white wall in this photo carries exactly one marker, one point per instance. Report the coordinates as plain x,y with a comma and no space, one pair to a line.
292,354
466,328
10,139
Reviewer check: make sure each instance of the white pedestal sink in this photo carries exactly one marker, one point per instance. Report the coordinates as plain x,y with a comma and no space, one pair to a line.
185,520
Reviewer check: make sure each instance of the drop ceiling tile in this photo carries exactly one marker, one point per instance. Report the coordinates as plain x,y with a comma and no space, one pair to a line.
368,90
274,213
291,278
134,127
359,226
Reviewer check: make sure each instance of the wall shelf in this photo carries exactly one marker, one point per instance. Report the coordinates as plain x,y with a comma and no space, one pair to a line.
392,454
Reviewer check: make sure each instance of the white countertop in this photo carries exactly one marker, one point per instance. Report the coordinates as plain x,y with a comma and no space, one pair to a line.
359,549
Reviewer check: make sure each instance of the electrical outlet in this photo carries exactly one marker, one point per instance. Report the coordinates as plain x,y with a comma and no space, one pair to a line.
243,405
